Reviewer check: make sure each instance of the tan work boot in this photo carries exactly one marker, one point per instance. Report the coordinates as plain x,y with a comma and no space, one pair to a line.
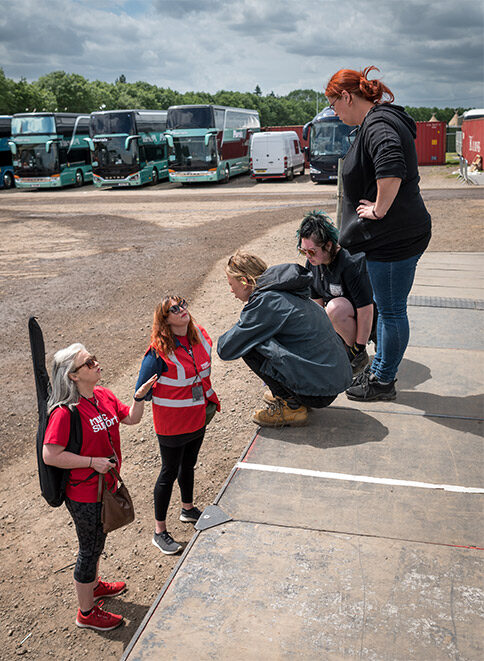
268,397
279,414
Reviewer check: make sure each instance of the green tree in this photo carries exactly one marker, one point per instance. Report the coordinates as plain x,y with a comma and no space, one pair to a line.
72,91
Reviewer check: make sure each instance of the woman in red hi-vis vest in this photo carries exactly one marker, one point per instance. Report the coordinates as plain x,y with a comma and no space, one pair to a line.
180,355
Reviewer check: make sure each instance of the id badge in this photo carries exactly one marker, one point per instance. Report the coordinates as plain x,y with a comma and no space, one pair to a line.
197,393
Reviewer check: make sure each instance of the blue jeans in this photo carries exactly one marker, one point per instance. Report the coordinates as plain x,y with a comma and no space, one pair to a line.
391,282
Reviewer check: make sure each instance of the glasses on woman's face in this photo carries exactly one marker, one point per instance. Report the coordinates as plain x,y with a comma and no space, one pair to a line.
89,363
178,307
307,252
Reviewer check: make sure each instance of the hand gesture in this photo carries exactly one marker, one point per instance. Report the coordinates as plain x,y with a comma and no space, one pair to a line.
146,387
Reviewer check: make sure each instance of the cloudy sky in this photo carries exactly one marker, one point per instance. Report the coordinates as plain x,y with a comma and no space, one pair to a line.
429,52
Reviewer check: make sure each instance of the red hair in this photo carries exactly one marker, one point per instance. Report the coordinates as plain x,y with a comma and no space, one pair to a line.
356,82
162,337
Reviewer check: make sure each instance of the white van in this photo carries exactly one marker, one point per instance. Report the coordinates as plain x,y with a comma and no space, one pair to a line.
275,155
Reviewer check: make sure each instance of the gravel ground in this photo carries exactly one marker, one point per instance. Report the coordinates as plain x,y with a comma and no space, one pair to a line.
91,266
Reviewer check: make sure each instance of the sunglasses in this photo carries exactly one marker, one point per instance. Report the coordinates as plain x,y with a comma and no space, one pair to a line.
90,362
178,307
307,252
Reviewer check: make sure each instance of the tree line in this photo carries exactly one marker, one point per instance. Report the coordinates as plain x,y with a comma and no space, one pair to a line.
71,92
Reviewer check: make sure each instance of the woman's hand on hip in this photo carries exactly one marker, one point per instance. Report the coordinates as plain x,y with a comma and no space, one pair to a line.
366,209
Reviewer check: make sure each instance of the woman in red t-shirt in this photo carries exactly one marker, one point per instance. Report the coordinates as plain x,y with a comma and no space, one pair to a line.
75,374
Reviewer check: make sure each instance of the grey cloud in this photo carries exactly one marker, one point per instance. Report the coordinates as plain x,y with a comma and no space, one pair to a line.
183,8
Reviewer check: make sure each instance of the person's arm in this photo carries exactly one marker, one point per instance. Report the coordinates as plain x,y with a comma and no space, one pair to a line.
364,321
57,455
384,146
387,190
260,320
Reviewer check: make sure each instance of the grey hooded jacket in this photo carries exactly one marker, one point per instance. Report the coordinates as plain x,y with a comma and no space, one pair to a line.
292,332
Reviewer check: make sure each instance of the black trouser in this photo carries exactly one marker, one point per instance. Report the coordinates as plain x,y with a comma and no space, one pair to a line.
89,528
178,463
254,360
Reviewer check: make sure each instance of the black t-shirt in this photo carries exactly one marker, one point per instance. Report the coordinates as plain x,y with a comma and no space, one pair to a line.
346,276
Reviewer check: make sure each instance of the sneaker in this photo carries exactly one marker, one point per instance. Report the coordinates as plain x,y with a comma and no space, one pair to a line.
104,589
279,414
364,375
359,362
98,619
190,516
165,542
369,389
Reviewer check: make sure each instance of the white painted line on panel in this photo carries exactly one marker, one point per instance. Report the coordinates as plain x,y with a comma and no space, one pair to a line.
355,478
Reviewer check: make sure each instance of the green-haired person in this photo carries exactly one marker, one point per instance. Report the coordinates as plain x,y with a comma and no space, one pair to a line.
341,284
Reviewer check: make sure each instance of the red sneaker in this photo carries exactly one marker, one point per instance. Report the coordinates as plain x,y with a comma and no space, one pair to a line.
98,619
104,589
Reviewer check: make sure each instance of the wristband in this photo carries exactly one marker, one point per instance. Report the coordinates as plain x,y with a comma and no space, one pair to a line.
374,214
138,399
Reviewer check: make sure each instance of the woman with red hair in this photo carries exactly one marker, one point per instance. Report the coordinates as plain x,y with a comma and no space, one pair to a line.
383,214
180,355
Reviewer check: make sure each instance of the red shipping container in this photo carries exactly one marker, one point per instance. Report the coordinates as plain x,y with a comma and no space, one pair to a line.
431,143
472,138
298,129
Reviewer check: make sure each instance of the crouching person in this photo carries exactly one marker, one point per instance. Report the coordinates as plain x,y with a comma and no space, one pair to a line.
284,339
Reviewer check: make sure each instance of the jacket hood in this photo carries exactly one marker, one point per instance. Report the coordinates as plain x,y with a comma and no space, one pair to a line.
292,278
392,114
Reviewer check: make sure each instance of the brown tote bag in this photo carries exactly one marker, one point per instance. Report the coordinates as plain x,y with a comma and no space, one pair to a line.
117,507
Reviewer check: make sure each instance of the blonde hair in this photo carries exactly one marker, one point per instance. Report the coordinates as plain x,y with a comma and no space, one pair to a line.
244,266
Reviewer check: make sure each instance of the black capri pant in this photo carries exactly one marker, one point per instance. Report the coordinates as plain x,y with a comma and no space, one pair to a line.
178,463
89,528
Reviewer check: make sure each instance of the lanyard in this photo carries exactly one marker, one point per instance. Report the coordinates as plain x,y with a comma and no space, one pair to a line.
189,351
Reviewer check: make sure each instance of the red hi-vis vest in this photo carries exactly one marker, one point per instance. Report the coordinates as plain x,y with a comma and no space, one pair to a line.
174,411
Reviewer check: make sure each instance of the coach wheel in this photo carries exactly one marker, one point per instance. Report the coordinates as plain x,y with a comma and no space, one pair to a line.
290,174
226,176
154,176
79,178
8,180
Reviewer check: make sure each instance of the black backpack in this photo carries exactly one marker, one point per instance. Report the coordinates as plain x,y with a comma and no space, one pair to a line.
53,480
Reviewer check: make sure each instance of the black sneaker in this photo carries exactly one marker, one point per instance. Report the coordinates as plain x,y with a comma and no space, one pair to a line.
190,516
364,375
165,542
359,362
369,389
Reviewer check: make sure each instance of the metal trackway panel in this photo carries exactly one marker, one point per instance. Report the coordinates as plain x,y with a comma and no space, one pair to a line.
434,382
381,445
254,591
446,328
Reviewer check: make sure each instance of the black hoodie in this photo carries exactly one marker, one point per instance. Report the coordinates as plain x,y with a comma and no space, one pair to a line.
384,147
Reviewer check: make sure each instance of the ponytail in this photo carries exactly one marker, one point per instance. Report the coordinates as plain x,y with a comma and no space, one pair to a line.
356,82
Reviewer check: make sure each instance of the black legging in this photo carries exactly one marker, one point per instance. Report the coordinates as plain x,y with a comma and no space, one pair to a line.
89,528
177,463
254,360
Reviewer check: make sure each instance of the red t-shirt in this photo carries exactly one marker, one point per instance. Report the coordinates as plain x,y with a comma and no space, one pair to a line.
95,439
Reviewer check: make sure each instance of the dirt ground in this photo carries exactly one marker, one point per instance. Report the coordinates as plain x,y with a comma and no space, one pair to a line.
91,266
